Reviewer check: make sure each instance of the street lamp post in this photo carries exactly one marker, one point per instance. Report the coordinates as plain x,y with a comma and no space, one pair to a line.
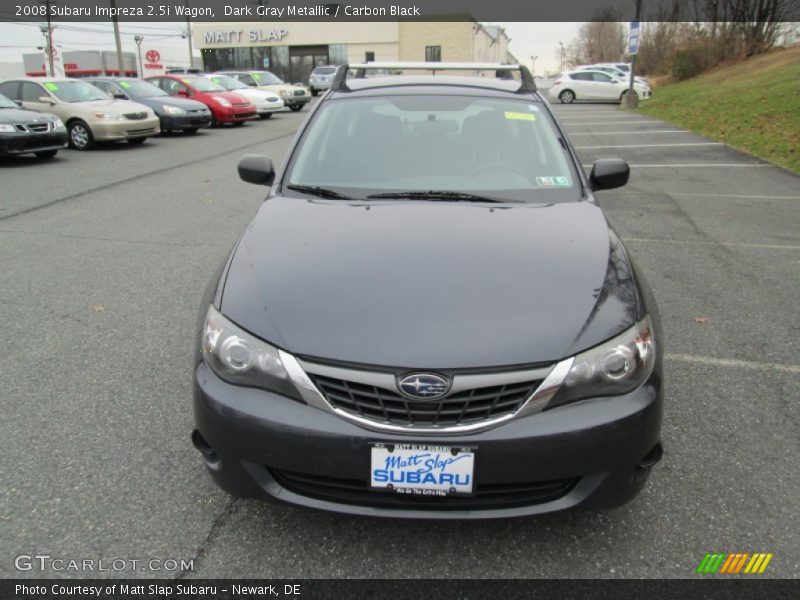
117,41
138,39
48,32
533,65
561,68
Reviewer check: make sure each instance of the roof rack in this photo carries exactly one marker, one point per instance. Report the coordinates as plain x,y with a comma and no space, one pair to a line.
527,84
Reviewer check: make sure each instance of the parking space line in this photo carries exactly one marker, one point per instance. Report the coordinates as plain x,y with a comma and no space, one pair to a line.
705,195
694,165
627,132
732,362
651,145
703,243
614,123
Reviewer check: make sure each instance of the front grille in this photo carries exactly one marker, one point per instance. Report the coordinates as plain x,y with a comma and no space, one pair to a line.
486,497
136,116
299,93
381,404
39,127
241,104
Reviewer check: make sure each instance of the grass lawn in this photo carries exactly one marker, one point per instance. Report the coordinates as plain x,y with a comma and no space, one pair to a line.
753,105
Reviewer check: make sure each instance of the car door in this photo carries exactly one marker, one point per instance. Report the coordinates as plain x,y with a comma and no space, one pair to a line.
582,85
32,93
604,86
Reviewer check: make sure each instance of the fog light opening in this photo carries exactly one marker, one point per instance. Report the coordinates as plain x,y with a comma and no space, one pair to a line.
648,462
210,456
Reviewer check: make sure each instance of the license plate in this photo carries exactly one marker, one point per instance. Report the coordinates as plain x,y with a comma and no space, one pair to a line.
422,469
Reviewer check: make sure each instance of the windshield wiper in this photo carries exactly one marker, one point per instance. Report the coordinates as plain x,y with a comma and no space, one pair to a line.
316,190
438,195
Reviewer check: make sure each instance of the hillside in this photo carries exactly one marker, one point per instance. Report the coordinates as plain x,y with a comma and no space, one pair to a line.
753,105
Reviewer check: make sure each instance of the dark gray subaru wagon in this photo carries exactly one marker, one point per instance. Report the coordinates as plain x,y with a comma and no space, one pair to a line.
429,316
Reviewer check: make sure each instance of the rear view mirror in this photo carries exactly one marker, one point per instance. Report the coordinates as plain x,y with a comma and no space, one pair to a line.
256,168
46,100
609,173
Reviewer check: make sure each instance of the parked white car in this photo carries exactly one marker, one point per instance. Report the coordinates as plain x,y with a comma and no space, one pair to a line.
612,70
266,102
593,86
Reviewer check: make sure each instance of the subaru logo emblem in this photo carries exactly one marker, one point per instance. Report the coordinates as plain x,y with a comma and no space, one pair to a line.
423,385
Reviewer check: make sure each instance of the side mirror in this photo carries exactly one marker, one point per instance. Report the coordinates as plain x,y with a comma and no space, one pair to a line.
120,96
183,93
256,168
609,173
46,100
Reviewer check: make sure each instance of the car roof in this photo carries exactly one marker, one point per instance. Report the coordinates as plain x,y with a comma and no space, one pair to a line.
431,84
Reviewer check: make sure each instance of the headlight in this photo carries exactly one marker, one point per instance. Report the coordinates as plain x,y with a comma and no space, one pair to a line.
285,92
615,367
174,110
7,128
58,124
222,101
107,116
241,358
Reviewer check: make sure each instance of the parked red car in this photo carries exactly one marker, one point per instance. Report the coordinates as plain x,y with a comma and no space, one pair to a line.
226,107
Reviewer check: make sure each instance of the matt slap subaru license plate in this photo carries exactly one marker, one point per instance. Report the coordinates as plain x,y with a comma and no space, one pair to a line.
421,469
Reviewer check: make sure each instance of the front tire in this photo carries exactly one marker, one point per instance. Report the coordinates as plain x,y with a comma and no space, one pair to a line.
296,107
567,97
46,153
80,136
266,116
314,93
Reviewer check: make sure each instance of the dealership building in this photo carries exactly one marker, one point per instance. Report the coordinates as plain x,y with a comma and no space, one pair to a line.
291,50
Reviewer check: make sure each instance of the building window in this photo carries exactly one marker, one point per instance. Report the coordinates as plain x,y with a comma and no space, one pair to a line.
369,57
433,54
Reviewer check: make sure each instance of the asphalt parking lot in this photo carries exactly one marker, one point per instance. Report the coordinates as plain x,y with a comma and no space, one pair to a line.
104,257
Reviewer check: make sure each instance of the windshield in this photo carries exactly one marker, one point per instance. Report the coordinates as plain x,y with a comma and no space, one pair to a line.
75,91
6,103
266,78
495,147
325,71
201,84
136,88
229,83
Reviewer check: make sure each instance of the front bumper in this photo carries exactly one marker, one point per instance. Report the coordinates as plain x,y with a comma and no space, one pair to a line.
126,129
260,444
25,143
319,85
296,100
235,114
190,121
266,108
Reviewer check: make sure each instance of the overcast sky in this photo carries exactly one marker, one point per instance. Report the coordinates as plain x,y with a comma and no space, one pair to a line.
527,39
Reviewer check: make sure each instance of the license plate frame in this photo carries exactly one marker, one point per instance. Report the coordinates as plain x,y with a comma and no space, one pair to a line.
456,463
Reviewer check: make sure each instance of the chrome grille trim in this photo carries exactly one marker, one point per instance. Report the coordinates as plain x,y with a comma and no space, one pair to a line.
552,377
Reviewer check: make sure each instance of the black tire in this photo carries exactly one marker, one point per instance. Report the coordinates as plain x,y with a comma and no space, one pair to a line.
191,130
46,153
296,107
137,141
314,92
266,116
567,97
238,123
80,135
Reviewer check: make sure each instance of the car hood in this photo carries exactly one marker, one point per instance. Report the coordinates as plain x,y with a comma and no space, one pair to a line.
425,284
232,97
257,94
20,115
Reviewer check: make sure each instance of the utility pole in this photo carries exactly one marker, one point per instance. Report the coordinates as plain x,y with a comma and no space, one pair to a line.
120,63
49,35
533,65
138,39
189,36
561,68
631,101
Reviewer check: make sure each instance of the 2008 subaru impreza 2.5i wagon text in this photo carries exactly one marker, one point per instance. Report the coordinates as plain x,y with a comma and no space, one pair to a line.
429,316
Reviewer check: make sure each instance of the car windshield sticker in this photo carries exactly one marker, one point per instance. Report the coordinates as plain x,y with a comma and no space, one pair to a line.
125,84
215,79
552,181
257,76
518,116
51,86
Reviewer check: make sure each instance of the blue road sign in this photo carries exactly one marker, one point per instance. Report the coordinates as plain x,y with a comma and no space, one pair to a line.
633,38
